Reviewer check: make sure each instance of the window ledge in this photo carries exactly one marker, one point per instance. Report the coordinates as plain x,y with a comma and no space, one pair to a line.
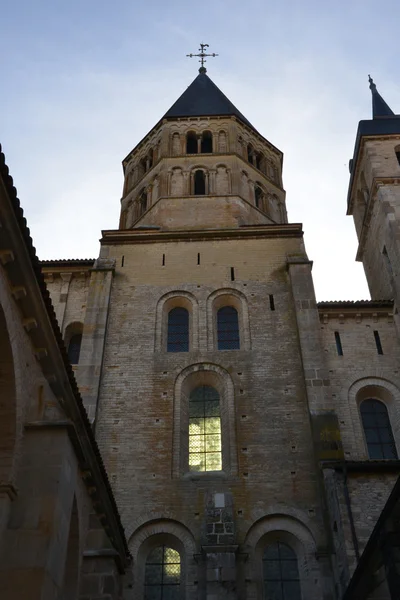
197,475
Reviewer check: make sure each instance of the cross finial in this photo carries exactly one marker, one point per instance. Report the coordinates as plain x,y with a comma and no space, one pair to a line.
372,85
202,54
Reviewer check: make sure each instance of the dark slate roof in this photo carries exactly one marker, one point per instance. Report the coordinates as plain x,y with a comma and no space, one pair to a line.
379,106
355,304
204,99
384,122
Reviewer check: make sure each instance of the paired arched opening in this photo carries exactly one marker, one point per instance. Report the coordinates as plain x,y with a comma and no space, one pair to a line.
73,341
199,144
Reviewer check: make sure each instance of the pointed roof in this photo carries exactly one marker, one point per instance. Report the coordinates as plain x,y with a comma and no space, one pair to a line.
204,99
379,106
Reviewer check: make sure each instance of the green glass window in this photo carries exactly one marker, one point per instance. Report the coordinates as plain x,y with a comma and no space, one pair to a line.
178,330
280,573
205,450
163,574
228,328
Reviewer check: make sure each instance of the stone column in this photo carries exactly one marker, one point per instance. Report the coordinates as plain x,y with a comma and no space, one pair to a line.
212,182
94,332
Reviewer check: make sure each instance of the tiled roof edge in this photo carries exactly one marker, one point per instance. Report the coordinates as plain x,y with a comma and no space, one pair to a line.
19,215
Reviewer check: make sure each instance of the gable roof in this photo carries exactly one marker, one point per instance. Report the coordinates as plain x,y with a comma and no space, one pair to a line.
204,99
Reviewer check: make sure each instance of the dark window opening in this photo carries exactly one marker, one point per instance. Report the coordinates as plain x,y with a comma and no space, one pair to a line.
143,202
378,342
259,158
163,260
271,302
258,196
397,151
150,159
122,260
232,273
162,574
198,258
377,429
250,154
178,330
74,348
191,143
338,344
199,183
280,573
206,143
228,328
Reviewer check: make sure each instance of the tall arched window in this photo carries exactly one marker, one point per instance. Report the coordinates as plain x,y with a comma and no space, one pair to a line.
142,201
205,449
163,574
377,429
199,183
74,348
250,153
191,143
280,573
258,194
178,330
228,328
206,142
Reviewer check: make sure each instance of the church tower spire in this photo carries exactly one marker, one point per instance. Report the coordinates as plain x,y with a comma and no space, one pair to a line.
203,166
379,107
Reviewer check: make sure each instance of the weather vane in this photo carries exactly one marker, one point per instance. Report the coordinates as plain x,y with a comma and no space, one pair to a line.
202,56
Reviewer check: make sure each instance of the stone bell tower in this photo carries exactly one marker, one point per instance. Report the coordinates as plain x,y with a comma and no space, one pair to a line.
203,165
374,198
203,410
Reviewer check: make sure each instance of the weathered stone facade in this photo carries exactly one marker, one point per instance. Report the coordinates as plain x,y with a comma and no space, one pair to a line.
203,227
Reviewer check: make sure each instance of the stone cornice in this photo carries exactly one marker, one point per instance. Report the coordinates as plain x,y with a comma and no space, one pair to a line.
143,236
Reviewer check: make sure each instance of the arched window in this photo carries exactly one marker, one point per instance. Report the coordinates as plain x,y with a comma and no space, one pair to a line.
258,194
162,574
206,142
250,154
280,573
228,328
205,449
191,143
178,330
199,183
397,151
74,348
259,161
377,429
149,160
142,201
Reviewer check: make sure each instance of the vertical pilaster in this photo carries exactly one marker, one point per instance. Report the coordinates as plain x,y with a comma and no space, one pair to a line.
94,332
61,306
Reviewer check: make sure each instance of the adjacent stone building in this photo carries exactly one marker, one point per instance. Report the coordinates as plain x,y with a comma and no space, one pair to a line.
250,435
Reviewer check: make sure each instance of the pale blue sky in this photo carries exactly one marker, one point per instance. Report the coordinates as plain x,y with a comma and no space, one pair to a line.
83,82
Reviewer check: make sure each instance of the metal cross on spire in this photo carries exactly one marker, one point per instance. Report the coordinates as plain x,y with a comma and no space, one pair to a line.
202,54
